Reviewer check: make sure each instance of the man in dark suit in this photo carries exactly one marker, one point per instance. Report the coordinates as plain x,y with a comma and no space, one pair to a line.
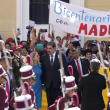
80,65
91,86
51,74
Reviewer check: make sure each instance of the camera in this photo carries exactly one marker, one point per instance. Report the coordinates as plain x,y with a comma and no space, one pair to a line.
35,30
28,27
18,30
43,30
92,41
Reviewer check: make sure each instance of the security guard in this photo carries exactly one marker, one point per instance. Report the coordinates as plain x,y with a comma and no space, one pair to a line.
16,64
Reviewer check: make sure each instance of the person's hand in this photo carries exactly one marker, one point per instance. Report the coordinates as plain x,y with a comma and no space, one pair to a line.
80,105
108,43
53,31
61,87
49,35
40,31
67,38
17,34
32,30
86,42
68,34
14,106
44,89
64,37
98,57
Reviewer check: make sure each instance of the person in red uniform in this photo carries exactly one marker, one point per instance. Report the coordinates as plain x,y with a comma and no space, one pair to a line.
52,107
72,97
24,102
4,105
27,75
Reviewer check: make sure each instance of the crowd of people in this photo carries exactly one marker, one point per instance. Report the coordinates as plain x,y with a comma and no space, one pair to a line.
36,63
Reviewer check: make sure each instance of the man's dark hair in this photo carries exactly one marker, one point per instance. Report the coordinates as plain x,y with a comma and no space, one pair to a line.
93,45
58,36
88,51
76,44
52,44
8,43
74,49
27,44
25,48
67,52
13,42
22,42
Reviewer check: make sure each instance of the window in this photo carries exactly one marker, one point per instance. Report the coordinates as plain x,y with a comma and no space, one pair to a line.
39,11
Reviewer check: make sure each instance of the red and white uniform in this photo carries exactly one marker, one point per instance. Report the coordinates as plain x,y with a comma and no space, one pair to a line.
72,102
28,91
4,104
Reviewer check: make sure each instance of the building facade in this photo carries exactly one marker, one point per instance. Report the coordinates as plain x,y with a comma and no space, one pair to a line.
7,18
17,13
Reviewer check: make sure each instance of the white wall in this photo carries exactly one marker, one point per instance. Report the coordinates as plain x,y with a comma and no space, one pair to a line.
23,18
77,2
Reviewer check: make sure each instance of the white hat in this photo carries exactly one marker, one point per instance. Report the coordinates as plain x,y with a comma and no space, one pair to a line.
26,72
70,83
75,39
108,96
2,41
74,108
20,102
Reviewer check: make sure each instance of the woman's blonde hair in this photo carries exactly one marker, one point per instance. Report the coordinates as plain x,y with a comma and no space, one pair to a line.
32,55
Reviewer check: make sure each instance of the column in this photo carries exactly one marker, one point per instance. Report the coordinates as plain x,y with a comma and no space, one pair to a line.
22,17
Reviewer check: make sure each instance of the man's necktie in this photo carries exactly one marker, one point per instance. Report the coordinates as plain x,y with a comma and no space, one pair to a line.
51,60
79,69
